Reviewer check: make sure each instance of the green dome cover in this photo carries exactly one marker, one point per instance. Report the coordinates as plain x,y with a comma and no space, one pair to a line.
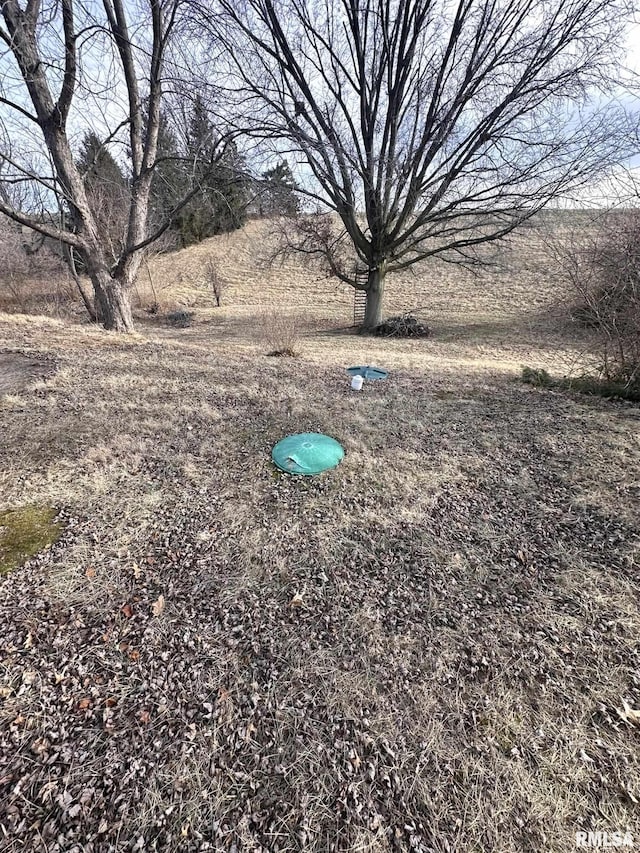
368,371
307,453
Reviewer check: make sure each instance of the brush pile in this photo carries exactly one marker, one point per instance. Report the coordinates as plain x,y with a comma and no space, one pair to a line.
403,326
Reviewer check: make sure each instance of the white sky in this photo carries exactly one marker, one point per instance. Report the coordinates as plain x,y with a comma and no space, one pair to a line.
633,47
623,187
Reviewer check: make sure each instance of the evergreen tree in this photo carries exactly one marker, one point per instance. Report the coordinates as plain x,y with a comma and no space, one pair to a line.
170,178
278,195
98,167
107,189
220,205
230,187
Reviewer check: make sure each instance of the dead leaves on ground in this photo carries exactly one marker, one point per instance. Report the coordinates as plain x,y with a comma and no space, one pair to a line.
297,600
157,607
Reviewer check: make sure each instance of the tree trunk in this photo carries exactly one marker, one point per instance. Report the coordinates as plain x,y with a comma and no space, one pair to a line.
113,300
91,311
375,293
71,261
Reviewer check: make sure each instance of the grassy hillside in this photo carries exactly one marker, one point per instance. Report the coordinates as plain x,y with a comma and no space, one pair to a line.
510,312
242,258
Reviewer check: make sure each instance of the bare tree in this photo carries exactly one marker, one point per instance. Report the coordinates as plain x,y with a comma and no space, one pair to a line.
213,280
429,127
600,261
66,63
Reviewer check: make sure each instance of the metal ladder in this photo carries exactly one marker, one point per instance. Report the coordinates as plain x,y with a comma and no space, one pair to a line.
359,297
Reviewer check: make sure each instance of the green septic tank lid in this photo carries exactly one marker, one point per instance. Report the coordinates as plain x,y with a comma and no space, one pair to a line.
307,453
368,371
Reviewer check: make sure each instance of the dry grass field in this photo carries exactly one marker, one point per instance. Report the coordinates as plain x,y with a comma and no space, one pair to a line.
434,647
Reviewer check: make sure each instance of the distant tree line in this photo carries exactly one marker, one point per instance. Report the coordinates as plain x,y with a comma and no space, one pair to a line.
227,193
222,181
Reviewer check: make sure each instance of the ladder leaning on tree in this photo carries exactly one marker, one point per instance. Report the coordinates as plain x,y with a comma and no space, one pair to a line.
359,296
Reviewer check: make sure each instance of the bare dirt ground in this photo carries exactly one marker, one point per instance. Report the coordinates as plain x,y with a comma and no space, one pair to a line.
19,371
433,647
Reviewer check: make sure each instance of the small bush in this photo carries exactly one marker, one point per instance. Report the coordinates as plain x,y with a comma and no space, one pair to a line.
602,388
180,319
214,281
605,275
287,352
280,333
596,386
403,326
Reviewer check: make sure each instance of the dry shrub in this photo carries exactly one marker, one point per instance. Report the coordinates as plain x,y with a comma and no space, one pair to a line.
536,376
605,276
32,274
150,289
213,280
280,332
180,319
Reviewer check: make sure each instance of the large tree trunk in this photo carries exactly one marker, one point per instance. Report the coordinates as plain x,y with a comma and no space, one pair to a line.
375,293
113,301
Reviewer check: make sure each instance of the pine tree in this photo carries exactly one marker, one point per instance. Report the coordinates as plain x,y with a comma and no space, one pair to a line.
107,189
170,178
98,166
220,205
278,195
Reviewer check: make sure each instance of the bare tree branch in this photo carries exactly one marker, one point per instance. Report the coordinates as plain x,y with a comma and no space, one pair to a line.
114,55
48,230
430,128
